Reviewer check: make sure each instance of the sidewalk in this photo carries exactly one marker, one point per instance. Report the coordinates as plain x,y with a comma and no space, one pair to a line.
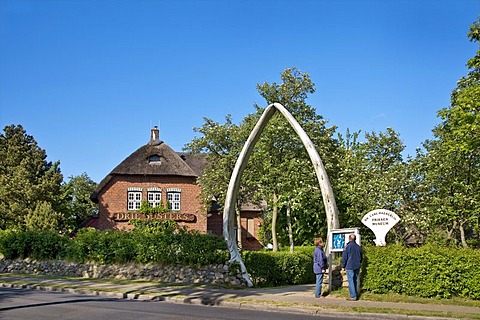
295,299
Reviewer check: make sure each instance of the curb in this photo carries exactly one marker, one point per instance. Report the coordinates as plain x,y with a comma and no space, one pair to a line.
222,304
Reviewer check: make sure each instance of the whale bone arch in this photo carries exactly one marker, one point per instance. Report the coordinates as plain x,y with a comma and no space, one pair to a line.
234,184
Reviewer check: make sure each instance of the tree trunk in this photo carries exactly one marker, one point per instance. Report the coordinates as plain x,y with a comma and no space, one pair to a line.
239,226
290,231
450,232
462,236
274,222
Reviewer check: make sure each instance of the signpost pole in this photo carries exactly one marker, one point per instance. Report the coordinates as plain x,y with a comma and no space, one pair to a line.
330,272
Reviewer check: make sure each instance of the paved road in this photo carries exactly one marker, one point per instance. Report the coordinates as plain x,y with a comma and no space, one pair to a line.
26,304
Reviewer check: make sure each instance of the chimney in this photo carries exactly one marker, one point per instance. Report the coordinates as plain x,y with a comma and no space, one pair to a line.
155,135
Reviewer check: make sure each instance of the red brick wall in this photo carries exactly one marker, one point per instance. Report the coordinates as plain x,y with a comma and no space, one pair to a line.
113,199
249,243
215,226
215,223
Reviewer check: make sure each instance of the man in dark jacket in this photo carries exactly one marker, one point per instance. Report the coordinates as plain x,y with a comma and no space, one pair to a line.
351,262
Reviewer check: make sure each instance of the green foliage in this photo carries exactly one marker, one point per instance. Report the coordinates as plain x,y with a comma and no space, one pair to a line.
43,245
372,176
76,197
221,145
452,170
155,242
286,178
279,268
26,178
146,208
162,243
157,226
43,218
103,247
427,271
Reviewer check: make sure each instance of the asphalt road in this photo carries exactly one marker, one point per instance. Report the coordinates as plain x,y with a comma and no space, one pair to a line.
26,304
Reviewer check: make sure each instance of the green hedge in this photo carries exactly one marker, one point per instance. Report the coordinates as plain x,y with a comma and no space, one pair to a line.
427,271
39,245
105,247
279,268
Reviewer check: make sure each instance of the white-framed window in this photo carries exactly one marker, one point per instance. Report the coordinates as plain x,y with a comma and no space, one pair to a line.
134,200
174,197
154,198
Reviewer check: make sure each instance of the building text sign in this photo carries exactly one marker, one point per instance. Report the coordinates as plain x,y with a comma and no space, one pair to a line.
380,221
125,216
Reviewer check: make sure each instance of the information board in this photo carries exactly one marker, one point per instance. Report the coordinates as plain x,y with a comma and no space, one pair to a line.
338,238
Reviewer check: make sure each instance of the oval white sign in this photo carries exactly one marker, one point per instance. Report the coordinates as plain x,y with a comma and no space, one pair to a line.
380,221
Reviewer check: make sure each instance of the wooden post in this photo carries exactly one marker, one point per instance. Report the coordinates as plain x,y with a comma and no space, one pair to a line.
330,284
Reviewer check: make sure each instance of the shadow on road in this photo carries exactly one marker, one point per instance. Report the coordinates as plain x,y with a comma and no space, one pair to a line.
7,293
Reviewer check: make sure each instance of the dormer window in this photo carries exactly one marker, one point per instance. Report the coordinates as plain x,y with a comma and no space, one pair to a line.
154,159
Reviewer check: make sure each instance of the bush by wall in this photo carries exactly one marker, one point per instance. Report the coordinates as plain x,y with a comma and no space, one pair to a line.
41,245
427,271
107,247
279,268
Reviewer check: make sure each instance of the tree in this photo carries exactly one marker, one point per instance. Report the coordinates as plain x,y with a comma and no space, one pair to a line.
286,173
43,218
221,144
78,205
27,179
453,159
373,175
279,170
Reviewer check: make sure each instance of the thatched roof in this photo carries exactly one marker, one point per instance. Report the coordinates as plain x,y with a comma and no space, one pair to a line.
155,159
196,162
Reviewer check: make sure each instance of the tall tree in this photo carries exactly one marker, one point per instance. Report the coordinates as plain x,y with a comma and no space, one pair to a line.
221,144
27,179
78,206
286,172
373,174
453,160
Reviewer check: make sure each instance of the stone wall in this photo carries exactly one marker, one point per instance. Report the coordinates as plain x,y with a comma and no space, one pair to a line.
339,278
213,274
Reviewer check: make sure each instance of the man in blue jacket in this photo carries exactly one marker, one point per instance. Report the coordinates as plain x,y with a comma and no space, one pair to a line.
351,262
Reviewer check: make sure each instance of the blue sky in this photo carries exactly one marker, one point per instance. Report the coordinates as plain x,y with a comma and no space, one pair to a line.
89,78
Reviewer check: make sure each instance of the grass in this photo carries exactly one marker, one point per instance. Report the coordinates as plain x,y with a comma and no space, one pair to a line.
318,308
394,297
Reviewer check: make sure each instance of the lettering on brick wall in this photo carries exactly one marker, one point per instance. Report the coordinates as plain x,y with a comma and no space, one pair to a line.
125,216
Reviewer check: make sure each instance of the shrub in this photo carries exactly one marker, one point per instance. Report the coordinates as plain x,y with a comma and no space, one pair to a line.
279,268
39,245
157,226
162,243
428,271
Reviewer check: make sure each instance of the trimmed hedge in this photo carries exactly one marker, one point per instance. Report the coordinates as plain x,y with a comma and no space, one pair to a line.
106,247
279,268
428,271
39,245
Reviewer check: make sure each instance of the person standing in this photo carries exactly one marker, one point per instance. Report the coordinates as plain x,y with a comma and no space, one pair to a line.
351,262
319,265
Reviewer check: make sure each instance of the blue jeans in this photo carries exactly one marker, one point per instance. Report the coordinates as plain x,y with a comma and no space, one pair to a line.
318,284
352,276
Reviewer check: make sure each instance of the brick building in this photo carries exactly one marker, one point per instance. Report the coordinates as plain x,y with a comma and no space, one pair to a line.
158,175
